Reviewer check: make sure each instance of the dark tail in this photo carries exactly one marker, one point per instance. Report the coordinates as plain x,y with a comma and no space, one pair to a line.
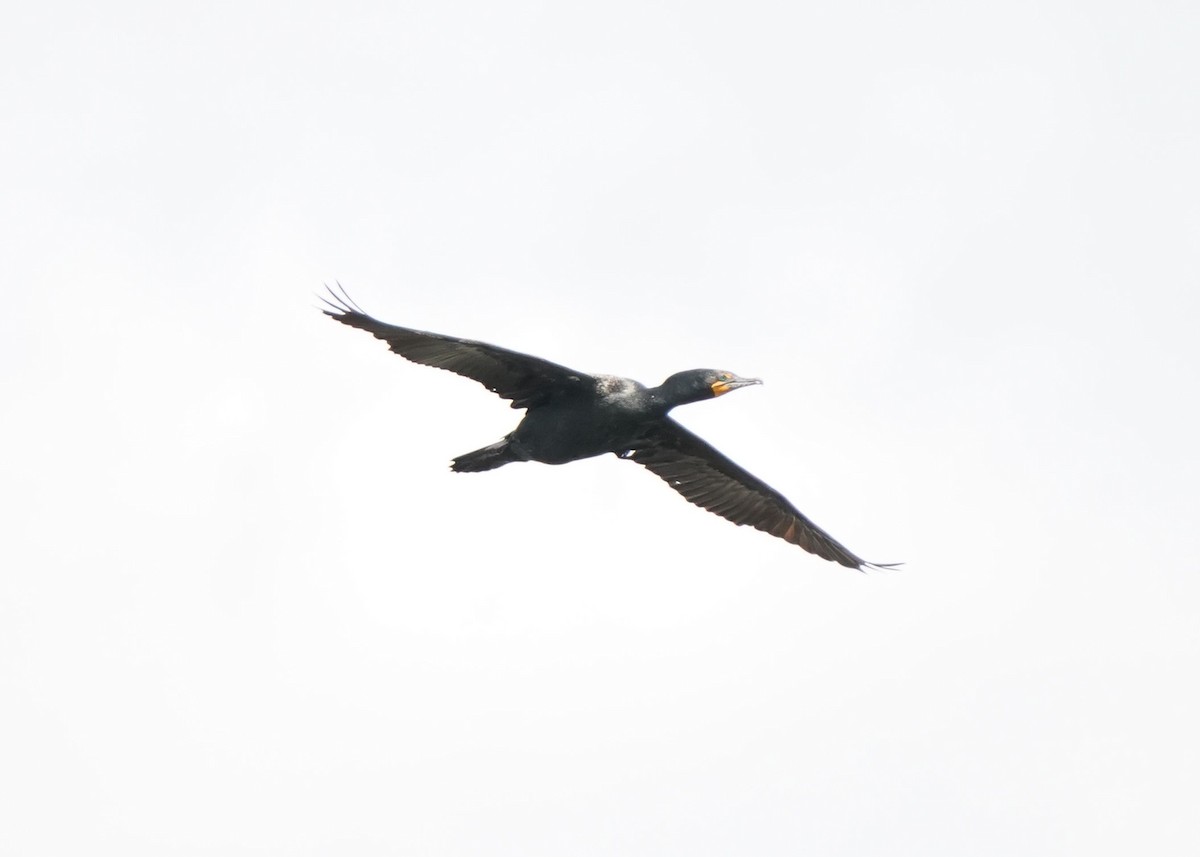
489,458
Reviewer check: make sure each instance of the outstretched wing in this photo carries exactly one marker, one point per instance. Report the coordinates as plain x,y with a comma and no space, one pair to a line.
710,480
522,378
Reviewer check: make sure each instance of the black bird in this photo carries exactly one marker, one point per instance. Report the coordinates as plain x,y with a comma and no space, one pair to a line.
572,415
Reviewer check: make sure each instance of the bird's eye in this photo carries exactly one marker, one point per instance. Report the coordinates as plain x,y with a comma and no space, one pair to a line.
725,376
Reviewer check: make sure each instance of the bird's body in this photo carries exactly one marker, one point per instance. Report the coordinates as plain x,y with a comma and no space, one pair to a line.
609,417
572,415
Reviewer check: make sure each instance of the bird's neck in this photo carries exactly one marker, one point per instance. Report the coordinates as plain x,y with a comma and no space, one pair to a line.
663,398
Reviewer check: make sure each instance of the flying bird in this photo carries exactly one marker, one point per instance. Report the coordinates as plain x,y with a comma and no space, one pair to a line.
571,415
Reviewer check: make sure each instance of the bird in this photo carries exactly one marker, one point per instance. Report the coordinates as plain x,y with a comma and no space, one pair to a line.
571,415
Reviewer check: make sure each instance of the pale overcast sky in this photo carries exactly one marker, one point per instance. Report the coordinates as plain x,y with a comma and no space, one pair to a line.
247,610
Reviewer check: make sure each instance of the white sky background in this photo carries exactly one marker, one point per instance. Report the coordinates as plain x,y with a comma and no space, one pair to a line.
246,609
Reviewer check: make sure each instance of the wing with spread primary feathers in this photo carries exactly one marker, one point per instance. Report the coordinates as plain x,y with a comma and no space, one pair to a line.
523,379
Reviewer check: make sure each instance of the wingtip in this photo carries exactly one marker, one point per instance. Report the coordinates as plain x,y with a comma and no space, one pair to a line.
879,566
341,305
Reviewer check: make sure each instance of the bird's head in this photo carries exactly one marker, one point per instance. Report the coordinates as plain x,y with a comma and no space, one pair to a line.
696,385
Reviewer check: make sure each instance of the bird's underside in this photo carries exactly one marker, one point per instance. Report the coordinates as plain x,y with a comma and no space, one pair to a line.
649,437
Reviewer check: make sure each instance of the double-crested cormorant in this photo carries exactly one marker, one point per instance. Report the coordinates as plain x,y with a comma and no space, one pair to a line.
572,415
